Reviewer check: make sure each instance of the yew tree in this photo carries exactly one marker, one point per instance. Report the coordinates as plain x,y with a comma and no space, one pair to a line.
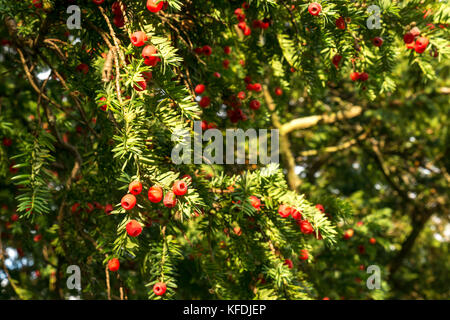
94,94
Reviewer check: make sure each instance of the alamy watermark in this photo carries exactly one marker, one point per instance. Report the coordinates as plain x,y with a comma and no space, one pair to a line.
374,281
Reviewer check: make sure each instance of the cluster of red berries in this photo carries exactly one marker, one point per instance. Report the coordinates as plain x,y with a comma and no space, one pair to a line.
205,101
206,50
240,15
206,125
363,76
155,194
286,211
305,226
413,41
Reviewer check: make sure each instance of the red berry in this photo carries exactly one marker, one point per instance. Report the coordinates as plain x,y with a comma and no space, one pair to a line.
113,264
98,2
255,104
296,214
187,178
90,207
227,50
247,31
204,125
108,209
159,288
147,75
340,23
207,50
7,142
336,59
240,17
255,202
140,86
314,8
179,188
364,76
154,6
284,211
257,87
155,194
354,76
303,254
149,54
377,41
348,234
289,263
134,228
247,79
278,91
135,187
119,21
241,95
226,63
14,217
410,45
204,102
212,125
361,249
128,201
75,207
242,25
170,200
372,240
421,44
83,67
200,88
115,8
237,231
408,37
139,38
306,227
216,74
37,238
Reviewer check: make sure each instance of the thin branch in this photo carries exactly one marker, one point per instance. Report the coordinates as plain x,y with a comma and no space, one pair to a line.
308,122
